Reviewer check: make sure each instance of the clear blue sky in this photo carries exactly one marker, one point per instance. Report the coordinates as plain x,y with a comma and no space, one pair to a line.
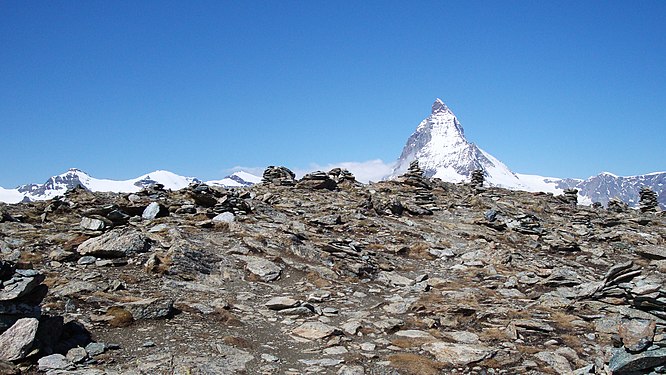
121,88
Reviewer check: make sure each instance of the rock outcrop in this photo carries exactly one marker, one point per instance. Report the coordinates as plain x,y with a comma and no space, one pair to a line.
410,276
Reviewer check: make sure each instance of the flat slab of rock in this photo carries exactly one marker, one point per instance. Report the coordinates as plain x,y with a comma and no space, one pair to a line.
115,244
314,330
623,362
22,283
392,278
91,224
462,337
652,252
16,342
558,362
458,354
154,210
53,362
281,303
150,308
262,268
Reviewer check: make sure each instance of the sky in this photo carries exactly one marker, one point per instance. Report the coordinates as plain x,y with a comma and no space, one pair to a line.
202,88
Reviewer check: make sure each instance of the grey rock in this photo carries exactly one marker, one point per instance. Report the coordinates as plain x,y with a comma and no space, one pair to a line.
392,278
556,361
281,303
16,342
53,362
92,224
389,325
328,220
652,252
87,259
117,243
326,362
623,362
73,288
262,268
458,354
22,283
589,369
314,330
77,355
352,327
150,308
154,210
95,348
225,217
351,370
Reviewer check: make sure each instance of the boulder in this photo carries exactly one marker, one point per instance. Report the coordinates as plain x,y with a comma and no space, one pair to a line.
115,244
17,341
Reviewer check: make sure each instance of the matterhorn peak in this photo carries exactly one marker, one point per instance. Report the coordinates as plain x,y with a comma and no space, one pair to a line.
439,107
440,147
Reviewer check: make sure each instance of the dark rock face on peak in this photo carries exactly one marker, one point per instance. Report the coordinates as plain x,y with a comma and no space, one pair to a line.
413,275
439,107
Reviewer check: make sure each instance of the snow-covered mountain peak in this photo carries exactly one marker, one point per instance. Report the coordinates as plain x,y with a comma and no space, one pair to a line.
440,146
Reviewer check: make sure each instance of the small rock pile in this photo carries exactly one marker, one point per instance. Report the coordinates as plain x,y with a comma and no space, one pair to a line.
24,330
648,200
414,176
641,349
341,176
570,197
204,195
477,178
21,293
423,194
616,205
234,202
278,176
317,180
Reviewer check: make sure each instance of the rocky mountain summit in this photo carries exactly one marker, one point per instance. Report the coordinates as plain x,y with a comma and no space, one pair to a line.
441,148
325,275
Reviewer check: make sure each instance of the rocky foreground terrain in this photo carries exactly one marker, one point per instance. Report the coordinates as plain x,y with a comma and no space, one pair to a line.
325,275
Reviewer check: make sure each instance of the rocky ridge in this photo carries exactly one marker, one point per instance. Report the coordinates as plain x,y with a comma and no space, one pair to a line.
325,275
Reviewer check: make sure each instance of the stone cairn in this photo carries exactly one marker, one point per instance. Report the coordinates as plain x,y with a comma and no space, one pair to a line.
616,205
317,180
341,176
648,200
414,177
477,178
570,197
279,176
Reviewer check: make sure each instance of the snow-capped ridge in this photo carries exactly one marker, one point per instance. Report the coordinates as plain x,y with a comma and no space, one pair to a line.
58,185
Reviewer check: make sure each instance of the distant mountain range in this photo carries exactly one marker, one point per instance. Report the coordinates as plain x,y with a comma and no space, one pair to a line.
58,185
440,146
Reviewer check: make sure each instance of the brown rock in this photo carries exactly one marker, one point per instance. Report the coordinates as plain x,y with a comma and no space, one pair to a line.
637,334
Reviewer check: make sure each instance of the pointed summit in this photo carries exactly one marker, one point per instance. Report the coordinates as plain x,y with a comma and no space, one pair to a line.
440,147
439,107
